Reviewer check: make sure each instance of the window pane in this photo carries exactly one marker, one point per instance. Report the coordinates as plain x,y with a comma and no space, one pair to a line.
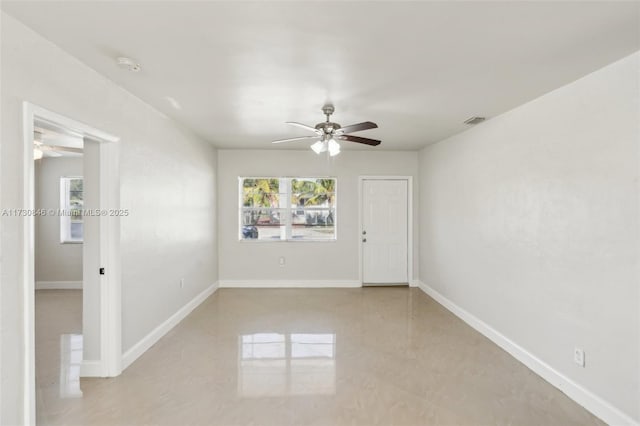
312,192
71,227
76,202
313,208
76,231
75,189
260,192
313,224
262,224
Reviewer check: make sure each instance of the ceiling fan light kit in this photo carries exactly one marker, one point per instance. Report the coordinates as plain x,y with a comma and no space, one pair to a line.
328,133
334,147
319,147
37,154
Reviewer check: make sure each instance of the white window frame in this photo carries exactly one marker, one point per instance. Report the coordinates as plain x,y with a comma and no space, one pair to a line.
285,206
65,211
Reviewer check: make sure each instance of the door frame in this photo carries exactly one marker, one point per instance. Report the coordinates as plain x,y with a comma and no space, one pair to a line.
409,180
110,363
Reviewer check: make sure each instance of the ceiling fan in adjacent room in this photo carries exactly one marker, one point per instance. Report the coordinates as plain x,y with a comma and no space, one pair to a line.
42,149
328,134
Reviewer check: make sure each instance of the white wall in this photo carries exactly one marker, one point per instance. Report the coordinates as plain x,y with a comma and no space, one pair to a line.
167,182
530,222
54,261
335,261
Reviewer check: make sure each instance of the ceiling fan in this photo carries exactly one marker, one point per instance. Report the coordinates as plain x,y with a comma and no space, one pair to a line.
40,149
328,133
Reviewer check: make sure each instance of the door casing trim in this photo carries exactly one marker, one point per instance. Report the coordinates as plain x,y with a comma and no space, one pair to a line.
110,363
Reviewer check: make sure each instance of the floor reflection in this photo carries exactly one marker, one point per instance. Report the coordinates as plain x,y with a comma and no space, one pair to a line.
70,361
273,364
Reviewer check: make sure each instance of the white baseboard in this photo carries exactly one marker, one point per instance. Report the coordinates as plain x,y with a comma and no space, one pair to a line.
58,285
592,402
91,369
289,283
156,334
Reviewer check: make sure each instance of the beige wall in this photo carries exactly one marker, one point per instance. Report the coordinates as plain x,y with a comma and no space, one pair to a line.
168,182
54,261
530,223
328,260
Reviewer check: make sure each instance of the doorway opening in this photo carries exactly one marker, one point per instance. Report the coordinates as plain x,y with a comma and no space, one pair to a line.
71,256
58,247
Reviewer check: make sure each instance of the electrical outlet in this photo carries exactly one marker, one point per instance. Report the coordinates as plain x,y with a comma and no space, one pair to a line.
282,261
578,356
181,282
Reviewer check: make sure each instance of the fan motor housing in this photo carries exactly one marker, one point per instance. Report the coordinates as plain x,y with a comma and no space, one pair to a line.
328,127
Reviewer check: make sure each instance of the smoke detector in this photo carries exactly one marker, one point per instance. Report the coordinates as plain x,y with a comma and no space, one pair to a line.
474,120
128,63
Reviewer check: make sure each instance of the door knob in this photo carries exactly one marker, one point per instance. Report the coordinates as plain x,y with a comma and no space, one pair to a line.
364,232
364,240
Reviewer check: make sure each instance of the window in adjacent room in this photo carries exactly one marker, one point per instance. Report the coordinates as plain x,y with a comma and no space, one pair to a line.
71,206
287,209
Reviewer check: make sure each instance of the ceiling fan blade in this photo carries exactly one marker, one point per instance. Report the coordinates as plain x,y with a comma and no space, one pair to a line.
366,125
358,139
295,139
60,148
304,126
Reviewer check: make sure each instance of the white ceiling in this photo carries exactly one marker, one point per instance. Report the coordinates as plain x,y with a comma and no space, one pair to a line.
238,70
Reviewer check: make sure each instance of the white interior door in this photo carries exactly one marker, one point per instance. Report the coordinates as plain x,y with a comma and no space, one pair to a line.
385,231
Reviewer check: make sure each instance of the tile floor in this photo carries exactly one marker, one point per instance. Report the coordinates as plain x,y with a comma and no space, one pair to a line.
372,356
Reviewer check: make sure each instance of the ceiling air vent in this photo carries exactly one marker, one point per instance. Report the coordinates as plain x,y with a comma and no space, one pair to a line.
475,120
